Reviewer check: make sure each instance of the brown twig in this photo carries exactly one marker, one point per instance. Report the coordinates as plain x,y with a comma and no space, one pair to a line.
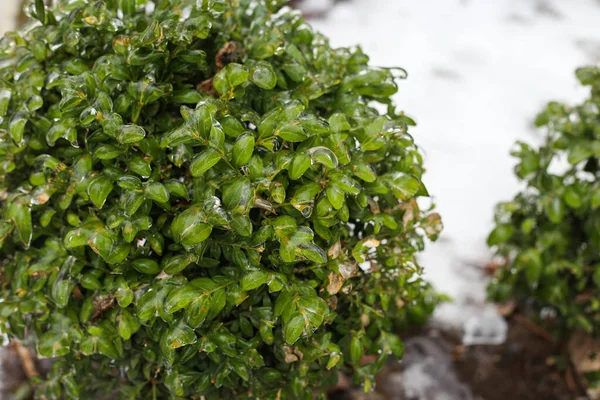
570,378
26,360
533,327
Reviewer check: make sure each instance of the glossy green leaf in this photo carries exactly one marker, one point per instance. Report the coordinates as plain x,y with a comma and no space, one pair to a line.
555,209
500,234
129,134
356,349
146,266
204,161
238,195
127,324
300,164
181,297
20,215
254,279
157,191
292,133
54,344
99,189
189,228
263,76
293,329
243,149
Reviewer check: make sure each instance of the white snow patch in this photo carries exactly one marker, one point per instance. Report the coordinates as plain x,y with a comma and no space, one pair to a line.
486,327
9,9
479,71
315,7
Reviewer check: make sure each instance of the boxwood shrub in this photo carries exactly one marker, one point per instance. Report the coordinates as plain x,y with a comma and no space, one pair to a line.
549,234
203,199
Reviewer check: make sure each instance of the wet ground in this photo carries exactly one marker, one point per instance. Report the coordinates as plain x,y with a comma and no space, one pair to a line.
437,366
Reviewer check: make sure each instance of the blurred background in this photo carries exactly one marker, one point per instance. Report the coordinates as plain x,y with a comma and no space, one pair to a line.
478,72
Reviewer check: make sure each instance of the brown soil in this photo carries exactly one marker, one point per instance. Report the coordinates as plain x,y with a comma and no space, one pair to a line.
523,368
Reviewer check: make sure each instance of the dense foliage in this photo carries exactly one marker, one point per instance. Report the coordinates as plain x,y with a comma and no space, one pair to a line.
199,198
549,235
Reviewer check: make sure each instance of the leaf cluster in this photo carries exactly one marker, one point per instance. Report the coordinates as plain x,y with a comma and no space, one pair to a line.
549,234
200,198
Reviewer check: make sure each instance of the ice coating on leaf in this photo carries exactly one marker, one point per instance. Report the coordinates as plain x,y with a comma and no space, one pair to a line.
189,190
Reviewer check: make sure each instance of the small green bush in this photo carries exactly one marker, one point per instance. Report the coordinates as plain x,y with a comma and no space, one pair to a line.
200,199
549,235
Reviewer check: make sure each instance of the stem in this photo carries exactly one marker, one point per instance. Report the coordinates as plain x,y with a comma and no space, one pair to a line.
26,360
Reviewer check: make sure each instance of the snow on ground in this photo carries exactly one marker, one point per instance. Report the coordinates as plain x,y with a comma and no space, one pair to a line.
9,10
479,71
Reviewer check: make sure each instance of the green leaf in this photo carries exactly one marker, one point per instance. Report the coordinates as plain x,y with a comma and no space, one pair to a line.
229,77
54,344
16,127
292,133
40,11
129,134
313,252
531,261
393,345
596,198
240,369
356,350
300,164
140,166
500,234
293,329
254,279
264,76
5,96
338,123
204,161
581,151
572,198
61,292
111,250
99,189
157,191
128,6
123,295
189,228
323,155
107,152
243,149
238,195
151,303
241,224
187,96
175,264
181,297
555,209
146,266
335,196
404,186
313,309
20,215
127,324
131,201
197,311
283,302
177,189
179,335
